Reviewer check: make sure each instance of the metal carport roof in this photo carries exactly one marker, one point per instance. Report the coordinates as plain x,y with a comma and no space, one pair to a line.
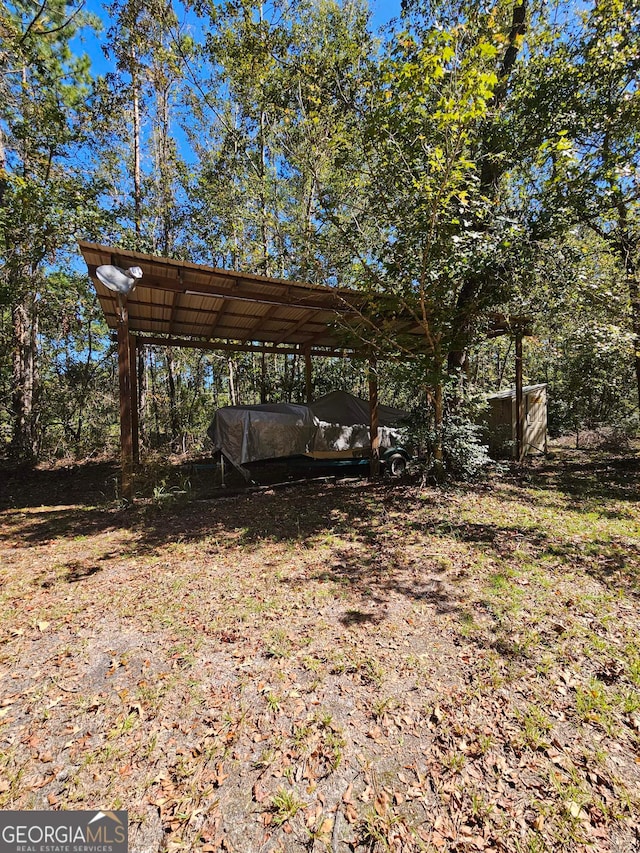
193,303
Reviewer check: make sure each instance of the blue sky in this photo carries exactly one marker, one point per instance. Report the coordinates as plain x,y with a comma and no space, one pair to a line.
383,11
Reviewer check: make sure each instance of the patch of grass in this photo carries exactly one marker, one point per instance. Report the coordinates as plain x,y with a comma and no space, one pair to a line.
481,808
378,829
536,727
593,704
454,760
485,742
274,702
381,705
629,701
285,805
278,644
468,625
488,674
632,658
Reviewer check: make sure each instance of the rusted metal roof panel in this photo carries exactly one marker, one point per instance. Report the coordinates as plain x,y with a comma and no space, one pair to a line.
191,300
186,300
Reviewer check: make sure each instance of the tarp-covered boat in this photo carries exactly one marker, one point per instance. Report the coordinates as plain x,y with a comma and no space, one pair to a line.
333,426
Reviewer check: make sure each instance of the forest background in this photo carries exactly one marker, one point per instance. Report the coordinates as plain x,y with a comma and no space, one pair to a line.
470,157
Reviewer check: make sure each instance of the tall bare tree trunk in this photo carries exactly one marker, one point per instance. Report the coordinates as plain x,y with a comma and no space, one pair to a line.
3,170
438,423
163,166
143,386
263,378
634,294
308,229
154,394
232,385
174,415
137,170
264,233
25,326
25,380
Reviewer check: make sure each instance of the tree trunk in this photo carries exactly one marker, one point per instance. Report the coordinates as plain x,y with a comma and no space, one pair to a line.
165,172
142,394
174,415
137,171
25,381
154,396
3,170
308,229
634,294
232,386
438,425
264,232
263,378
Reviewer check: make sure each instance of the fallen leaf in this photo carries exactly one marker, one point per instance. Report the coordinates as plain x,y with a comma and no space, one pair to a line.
326,826
350,813
258,792
381,803
437,840
575,810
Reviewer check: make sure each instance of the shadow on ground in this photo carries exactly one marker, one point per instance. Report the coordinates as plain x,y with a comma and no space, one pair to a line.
589,475
61,503
79,485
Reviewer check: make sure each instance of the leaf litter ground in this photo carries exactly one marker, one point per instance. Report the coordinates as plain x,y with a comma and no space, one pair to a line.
340,667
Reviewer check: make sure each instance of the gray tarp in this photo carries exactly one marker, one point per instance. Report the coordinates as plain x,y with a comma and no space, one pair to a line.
339,407
247,433
344,423
336,422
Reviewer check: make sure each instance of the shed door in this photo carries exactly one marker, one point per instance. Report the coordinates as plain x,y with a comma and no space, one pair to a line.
535,426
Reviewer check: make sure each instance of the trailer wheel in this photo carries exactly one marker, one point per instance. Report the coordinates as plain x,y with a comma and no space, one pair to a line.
396,465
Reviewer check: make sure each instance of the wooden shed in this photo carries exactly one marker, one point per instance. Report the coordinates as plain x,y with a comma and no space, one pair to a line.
502,420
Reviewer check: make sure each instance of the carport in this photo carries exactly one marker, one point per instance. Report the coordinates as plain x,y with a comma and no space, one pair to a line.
181,304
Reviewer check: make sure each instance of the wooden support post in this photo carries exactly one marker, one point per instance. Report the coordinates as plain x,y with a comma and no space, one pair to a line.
374,463
135,428
519,400
307,375
126,421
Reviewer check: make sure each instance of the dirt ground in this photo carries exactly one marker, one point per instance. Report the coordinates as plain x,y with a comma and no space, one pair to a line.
329,667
